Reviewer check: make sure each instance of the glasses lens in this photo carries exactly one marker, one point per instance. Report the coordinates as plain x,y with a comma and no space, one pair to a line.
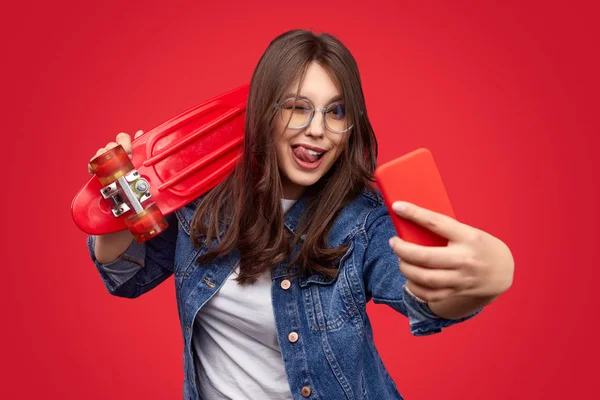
296,111
336,118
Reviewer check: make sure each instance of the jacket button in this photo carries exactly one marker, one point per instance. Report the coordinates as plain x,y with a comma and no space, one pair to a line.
285,284
306,391
293,337
209,283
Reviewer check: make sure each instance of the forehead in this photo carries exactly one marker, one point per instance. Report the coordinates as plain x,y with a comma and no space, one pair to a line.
317,85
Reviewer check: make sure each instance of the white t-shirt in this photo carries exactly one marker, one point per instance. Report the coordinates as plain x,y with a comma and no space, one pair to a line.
237,355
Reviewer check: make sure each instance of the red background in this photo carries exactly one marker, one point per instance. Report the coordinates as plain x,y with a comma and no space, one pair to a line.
505,96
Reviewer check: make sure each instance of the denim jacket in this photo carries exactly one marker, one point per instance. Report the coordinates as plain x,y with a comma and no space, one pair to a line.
332,354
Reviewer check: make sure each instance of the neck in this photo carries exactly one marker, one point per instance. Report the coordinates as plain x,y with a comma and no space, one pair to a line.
291,191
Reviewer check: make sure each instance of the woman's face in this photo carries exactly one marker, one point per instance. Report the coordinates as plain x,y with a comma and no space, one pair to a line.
305,155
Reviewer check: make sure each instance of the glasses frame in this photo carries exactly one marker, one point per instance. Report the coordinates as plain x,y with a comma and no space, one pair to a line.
312,114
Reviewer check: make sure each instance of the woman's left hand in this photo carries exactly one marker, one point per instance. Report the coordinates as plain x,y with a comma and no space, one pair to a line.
475,264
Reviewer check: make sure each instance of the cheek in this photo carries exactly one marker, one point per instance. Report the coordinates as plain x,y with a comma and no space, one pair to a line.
340,147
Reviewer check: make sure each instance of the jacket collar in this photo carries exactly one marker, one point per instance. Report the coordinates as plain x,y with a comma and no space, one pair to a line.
292,221
292,217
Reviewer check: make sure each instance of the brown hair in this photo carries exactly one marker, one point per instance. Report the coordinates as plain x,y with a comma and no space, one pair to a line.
245,208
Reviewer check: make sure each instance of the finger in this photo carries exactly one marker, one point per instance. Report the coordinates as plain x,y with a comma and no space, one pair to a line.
427,294
427,256
440,224
138,134
430,278
110,145
124,140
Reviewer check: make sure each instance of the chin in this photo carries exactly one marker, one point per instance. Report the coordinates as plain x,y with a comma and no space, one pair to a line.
303,179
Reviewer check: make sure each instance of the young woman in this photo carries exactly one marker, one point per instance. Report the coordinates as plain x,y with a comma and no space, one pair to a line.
274,267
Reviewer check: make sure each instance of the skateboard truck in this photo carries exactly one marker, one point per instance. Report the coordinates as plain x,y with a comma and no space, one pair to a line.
127,192
123,186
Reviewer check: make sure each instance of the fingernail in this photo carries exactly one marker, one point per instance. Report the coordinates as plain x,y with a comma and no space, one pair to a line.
391,242
399,206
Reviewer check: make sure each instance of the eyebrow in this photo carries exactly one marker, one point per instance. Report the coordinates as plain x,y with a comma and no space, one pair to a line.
293,95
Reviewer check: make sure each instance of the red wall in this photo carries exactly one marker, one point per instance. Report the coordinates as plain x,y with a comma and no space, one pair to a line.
505,96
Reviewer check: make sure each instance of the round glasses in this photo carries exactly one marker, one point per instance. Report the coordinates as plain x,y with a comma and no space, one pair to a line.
300,113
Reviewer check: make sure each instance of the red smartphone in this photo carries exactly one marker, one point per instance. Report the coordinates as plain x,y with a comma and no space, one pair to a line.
414,178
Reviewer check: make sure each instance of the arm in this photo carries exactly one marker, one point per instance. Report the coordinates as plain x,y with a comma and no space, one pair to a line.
385,283
141,267
459,307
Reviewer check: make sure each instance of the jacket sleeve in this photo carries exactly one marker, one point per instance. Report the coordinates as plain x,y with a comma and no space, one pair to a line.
384,282
141,267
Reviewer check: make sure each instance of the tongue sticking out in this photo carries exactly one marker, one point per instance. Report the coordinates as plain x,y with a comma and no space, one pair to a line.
304,155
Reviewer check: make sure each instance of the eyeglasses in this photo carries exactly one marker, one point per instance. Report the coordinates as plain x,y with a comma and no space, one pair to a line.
300,113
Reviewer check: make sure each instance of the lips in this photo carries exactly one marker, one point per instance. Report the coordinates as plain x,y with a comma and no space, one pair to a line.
307,157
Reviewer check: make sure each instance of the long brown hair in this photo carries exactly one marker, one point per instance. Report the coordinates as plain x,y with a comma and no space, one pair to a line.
244,211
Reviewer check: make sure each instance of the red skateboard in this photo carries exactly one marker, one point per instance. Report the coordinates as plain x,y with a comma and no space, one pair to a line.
171,165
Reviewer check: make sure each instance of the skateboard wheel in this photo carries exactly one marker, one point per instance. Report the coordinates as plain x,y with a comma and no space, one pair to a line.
111,165
147,224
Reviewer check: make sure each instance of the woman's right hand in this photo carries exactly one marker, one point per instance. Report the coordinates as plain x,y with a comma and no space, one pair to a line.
109,247
122,139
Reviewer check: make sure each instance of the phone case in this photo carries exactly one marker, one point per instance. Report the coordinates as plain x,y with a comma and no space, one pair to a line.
414,178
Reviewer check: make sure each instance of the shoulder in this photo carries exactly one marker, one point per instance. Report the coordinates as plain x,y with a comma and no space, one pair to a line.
186,213
368,207
365,214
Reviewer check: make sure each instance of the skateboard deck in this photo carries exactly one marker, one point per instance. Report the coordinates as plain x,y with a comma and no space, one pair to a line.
180,159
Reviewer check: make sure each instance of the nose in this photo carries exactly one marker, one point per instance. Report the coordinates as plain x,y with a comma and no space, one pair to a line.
317,125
